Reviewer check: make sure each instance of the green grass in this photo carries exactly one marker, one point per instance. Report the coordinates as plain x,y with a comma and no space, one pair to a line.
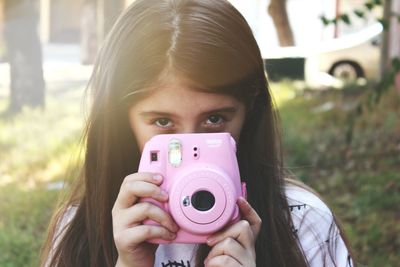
25,216
359,179
37,149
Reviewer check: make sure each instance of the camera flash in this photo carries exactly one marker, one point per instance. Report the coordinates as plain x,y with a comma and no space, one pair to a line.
175,152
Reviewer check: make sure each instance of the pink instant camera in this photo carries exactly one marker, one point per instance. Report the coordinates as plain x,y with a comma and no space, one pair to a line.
201,176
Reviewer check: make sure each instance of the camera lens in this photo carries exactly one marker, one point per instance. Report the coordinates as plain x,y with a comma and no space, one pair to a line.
203,200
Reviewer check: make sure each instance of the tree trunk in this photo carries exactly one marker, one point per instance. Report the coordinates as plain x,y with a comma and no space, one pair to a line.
24,54
98,17
384,64
277,11
89,44
394,39
107,13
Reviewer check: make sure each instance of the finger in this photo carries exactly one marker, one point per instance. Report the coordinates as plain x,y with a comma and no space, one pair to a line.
150,177
229,247
131,191
142,211
241,231
139,234
249,214
222,260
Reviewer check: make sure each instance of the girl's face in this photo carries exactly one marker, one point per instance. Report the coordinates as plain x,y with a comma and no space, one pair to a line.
176,108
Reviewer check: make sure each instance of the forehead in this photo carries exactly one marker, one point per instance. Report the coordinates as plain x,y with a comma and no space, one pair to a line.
178,96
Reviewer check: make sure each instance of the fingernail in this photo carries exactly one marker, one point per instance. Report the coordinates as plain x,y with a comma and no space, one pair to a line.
243,200
210,240
163,194
157,178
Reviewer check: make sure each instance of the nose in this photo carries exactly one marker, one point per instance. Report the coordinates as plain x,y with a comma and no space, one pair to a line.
187,129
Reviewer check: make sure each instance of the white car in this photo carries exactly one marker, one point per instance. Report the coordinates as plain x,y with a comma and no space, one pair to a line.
346,59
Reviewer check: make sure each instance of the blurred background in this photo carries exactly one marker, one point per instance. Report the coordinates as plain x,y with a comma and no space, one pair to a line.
334,71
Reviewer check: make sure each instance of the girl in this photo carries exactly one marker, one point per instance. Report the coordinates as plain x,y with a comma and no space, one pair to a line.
185,66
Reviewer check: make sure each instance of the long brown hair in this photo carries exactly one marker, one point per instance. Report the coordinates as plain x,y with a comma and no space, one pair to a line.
209,43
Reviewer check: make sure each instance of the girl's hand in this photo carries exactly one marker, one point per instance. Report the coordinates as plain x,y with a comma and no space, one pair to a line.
128,214
235,246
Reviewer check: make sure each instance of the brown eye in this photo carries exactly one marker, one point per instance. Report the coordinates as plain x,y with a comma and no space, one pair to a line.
163,122
214,119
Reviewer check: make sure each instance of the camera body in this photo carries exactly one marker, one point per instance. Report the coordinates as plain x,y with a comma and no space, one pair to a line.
201,177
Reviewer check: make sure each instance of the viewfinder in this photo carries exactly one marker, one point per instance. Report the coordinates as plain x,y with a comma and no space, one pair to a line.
153,156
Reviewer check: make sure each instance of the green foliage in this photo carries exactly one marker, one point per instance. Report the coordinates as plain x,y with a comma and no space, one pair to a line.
360,13
388,78
384,22
345,18
325,20
396,65
369,5
25,218
359,178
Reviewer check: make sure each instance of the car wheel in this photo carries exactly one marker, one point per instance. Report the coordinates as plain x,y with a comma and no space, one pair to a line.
348,71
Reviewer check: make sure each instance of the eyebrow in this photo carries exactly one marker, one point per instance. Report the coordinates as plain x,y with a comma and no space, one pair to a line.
166,114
